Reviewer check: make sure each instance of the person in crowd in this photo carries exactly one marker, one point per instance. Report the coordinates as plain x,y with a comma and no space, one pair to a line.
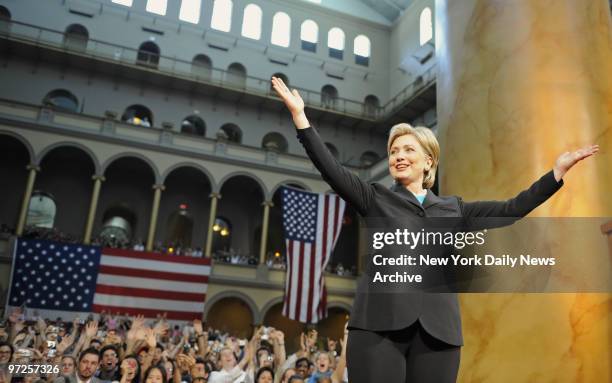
6,354
88,363
231,370
302,367
109,368
130,370
287,373
265,375
155,374
323,367
68,365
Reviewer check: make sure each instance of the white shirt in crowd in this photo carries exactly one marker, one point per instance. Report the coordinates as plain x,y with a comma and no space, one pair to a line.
235,375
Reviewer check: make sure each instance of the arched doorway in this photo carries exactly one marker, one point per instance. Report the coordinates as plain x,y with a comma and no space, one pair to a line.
232,315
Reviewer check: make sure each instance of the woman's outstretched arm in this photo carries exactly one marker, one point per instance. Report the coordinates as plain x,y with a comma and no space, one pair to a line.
348,186
529,199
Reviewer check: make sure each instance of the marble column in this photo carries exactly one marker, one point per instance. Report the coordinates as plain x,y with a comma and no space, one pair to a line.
519,82
214,197
27,194
158,188
264,231
93,205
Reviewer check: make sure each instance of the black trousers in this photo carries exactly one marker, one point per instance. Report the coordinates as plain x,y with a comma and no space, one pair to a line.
408,355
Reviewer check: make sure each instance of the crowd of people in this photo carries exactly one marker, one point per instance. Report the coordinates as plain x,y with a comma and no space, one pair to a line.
106,349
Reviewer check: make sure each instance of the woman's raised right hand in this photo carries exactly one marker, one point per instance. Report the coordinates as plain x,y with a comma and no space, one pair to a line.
291,98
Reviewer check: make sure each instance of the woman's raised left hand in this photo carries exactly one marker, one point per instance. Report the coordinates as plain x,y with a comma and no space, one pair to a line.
568,159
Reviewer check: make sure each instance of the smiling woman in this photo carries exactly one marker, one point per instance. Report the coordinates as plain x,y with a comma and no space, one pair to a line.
413,151
412,336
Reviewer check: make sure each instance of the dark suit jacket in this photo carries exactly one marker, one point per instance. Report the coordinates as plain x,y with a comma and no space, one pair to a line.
438,313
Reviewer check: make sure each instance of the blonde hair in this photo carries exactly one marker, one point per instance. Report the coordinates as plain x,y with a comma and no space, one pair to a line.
428,142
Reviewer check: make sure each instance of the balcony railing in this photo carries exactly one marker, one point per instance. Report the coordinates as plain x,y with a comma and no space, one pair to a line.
153,137
188,70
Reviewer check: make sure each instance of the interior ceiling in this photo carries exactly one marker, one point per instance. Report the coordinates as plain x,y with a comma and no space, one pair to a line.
389,9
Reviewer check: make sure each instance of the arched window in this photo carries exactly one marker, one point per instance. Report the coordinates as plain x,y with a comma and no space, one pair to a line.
148,54
309,34
179,228
222,236
371,105
5,14
61,99
361,49
368,159
118,225
193,125
335,43
251,22
76,37
231,132
329,95
236,75
332,148
5,19
283,77
281,29
190,11
157,6
275,142
222,15
42,210
127,3
138,115
201,66
425,26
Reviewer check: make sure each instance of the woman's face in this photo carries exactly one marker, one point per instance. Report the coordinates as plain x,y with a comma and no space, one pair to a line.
407,160
132,367
302,368
323,362
155,376
265,377
288,373
5,354
67,366
265,359
227,359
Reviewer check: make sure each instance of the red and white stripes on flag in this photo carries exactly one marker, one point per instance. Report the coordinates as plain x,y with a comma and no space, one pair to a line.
311,223
149,284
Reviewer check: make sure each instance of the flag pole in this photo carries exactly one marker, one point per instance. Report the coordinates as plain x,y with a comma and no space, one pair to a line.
8,296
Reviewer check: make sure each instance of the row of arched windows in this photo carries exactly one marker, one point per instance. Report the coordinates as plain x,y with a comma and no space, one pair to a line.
148,54
221,20
77,35
194,124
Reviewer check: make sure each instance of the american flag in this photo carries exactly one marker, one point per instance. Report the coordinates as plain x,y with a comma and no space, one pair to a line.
65,280
312,223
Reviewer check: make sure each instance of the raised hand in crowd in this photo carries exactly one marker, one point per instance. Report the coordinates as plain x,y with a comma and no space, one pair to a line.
66,342
338,375
135,334
278,343
91,329
201,337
